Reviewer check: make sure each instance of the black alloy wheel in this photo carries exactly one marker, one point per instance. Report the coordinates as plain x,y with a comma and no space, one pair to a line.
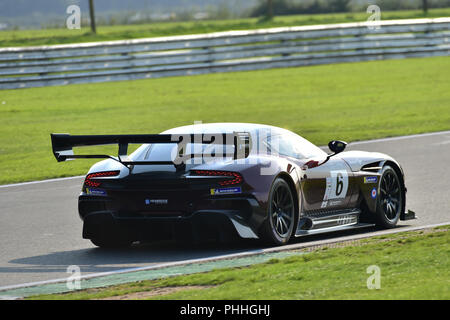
281,221
390,198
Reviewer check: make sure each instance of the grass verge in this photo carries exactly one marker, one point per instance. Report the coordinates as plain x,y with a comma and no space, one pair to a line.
414,265
353,101
10,38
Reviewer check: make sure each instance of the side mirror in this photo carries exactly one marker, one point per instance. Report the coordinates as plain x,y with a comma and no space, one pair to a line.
337,146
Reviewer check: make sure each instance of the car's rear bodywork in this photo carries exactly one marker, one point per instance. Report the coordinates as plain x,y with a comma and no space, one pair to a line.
146,197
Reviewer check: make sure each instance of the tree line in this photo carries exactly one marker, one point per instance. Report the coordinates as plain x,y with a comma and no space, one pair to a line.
271,8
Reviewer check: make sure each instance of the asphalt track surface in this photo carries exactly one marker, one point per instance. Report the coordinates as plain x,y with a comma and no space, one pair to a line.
40,231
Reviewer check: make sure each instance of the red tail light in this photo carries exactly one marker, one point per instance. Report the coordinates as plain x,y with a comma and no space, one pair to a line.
89,183
234,177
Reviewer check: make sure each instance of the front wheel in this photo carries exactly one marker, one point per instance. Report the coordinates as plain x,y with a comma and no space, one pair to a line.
280,222
391,199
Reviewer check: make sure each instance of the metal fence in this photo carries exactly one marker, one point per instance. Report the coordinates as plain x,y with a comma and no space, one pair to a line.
221,52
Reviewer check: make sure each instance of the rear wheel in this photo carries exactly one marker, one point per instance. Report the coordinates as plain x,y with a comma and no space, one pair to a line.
279,225
390,199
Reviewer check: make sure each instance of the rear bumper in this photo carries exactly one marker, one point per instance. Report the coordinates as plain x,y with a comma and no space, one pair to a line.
206,224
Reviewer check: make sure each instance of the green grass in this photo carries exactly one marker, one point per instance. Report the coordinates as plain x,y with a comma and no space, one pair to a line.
414,265
355,101
10,38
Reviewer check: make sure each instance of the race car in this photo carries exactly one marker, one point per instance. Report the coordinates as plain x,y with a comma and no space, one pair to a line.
228,181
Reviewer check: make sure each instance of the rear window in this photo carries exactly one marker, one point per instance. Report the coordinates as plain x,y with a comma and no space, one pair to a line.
168,151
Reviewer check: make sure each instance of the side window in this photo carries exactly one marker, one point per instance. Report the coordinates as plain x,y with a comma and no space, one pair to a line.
292,145
284,146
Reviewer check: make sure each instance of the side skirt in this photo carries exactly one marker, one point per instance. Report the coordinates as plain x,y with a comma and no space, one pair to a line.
337,221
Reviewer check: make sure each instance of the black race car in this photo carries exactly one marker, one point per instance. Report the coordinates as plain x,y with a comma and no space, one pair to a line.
226,181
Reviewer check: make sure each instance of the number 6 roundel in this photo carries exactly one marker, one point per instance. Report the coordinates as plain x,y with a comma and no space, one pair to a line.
337,185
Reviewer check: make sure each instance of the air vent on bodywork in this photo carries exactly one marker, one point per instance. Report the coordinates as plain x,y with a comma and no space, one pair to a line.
372,167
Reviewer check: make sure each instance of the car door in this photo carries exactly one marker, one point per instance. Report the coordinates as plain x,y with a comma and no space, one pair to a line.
327,186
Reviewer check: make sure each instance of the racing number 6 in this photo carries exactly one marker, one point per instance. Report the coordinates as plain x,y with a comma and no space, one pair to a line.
339,183
336,185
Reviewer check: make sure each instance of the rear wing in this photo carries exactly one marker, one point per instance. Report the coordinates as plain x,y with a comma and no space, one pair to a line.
62,145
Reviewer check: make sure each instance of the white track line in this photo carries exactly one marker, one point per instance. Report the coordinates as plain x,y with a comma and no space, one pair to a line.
401,137
294,246
40,181
351,143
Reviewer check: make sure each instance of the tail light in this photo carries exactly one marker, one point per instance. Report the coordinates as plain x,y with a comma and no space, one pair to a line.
88,182
231,178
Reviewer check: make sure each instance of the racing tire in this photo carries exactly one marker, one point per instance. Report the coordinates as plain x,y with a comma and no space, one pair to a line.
390,200
280,224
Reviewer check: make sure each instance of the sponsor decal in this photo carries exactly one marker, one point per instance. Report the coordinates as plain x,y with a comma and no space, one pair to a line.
334,203
232,190
95,192
372,179
156,201
373,194
330,203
